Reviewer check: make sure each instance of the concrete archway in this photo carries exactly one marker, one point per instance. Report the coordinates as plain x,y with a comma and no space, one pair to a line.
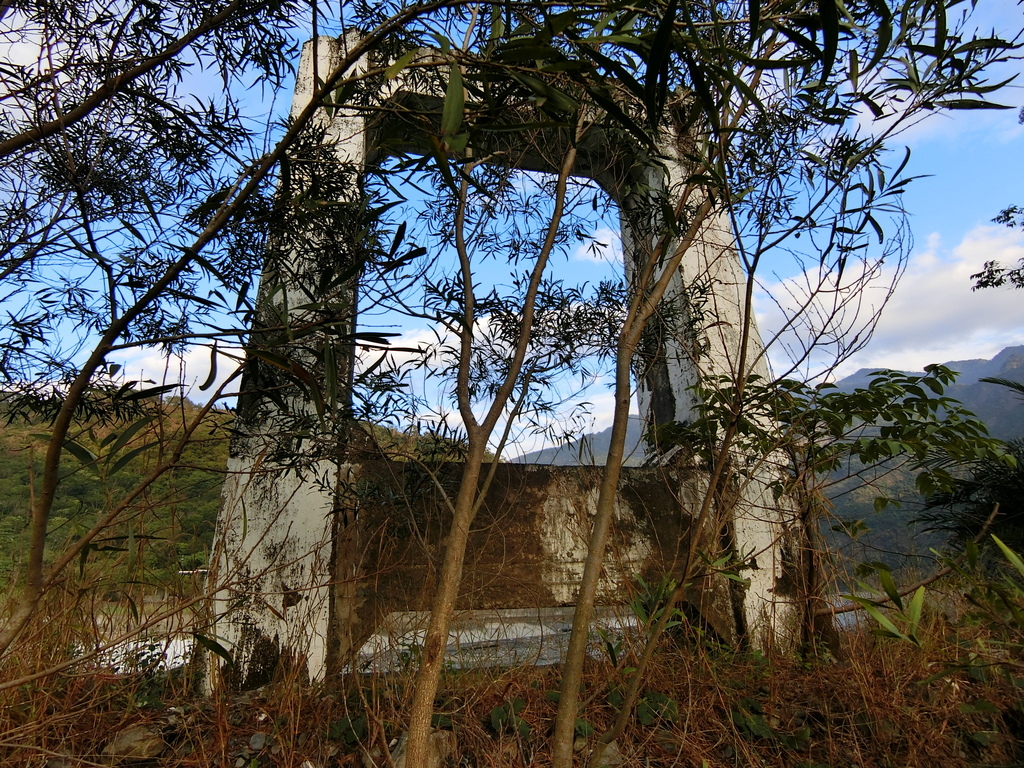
310,555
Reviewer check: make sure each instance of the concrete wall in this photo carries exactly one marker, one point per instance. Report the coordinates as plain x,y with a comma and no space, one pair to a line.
526,550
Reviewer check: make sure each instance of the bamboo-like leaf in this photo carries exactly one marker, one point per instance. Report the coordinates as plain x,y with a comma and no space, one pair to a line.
212,376
454,103
872,609
396,242
124,438
441,163
458,142
656,78
829,15
399,64
212,645
330,374
984,44
754,18
971,104
274,359
707,101
622,74
122,462
885,579
939,11
80,452
134,231
914,611
1012,557
144,394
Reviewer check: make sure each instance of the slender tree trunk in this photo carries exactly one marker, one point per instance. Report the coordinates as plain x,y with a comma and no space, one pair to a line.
443,606
642,307
471,494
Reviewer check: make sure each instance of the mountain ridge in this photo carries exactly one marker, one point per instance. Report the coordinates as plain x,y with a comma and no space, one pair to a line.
999,407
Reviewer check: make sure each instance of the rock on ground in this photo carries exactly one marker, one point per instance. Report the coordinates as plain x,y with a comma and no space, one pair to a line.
137,742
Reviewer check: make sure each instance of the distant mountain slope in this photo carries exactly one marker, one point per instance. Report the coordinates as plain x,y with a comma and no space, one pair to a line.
997,406
590,449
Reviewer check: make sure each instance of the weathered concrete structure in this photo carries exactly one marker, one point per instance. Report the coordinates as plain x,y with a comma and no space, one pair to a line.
314,554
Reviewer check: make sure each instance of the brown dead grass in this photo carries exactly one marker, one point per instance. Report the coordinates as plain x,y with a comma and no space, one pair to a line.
871,705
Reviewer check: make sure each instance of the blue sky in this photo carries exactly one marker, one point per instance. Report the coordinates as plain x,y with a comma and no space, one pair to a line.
972,162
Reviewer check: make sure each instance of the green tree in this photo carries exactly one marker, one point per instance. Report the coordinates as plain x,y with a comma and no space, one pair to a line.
989,499
993,274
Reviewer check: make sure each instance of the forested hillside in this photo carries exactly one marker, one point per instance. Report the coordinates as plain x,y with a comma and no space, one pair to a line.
997,406
170,528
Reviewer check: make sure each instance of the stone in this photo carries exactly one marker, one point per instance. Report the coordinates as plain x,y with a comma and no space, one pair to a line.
667,740
610,757
439,748
257,741
137,742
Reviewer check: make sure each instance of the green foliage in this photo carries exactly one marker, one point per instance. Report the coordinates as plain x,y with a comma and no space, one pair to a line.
649,601
350,730
505,718
990,498
996,598
749,717
91,221
993,274
169,530
652,706
583,730
900,622
655,706
898,416
967,506
995,589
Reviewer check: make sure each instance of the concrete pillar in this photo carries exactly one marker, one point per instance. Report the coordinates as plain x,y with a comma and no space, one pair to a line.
696,336
277,526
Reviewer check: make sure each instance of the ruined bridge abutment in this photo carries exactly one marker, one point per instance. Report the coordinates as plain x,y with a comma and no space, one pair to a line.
313,557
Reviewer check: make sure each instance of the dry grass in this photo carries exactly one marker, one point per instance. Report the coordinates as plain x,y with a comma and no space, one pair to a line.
867,707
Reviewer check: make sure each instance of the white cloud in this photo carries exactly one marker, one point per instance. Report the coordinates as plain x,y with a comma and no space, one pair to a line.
190,369
933,316
605,247
21,42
